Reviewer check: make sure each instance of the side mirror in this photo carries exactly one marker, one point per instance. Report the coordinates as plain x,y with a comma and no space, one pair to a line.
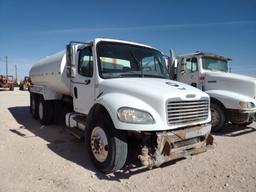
71,57
70,60
172,55
182,66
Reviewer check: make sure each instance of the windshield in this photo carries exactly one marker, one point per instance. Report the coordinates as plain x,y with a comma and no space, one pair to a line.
124,60
214,64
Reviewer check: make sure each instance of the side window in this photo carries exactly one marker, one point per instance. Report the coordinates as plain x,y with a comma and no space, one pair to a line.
85,65
191,65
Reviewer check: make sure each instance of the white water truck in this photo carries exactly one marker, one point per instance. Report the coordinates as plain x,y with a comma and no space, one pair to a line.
233,96
113,90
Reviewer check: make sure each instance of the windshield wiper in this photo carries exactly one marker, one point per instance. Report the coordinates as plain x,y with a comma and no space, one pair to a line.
154,75
120,75
129,75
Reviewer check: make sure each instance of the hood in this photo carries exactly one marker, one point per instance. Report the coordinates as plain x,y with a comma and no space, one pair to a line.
241,84
152,88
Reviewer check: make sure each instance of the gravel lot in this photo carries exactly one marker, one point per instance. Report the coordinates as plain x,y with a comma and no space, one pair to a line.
48,158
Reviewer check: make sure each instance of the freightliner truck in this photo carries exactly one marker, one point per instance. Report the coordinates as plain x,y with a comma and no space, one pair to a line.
116,90
233,96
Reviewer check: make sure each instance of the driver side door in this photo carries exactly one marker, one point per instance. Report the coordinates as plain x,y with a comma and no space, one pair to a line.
190,74
82,83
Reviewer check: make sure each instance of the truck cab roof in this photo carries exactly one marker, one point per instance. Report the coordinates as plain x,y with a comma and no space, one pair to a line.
120,41
207,54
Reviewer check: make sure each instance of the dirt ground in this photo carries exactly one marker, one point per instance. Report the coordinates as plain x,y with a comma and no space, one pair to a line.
48,158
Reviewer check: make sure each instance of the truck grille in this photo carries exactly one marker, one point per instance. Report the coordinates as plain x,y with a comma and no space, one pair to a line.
181,112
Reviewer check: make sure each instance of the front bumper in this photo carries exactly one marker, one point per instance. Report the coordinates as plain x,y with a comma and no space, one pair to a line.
177,144
248,111
242,116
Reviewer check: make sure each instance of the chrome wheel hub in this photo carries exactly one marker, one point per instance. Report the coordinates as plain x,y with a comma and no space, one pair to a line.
99,144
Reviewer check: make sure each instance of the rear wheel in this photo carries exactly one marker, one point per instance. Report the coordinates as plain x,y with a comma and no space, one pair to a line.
107,146
45,111
218,117
34,105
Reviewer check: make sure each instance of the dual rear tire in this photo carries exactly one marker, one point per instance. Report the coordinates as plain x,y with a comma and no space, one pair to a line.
41,109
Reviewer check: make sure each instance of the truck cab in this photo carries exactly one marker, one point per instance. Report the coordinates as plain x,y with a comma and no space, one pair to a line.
233,96
115,91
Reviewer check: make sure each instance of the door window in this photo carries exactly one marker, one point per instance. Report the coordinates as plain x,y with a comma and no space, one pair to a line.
191,65
85,65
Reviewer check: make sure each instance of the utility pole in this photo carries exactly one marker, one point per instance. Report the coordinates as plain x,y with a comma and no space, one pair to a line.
6,65
16,73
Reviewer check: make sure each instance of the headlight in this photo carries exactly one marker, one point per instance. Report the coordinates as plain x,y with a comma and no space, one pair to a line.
131,115
244,104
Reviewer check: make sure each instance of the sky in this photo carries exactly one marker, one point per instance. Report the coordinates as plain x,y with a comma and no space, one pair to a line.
33,29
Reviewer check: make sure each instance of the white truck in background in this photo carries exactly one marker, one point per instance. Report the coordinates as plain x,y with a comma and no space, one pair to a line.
233,96
112,90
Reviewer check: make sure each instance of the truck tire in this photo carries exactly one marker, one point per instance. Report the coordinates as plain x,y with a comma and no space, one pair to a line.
11,88
218,117
34,105
45,111
107,147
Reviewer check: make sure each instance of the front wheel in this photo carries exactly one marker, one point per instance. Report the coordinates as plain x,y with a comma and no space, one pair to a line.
218,117
107,147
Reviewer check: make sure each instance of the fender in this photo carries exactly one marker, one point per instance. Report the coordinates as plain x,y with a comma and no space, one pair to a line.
113,101
229,99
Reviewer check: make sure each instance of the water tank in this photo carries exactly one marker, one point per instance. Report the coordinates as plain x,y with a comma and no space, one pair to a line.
51,72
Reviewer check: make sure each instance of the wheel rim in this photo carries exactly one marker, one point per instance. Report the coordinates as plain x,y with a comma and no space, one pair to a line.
215,117
99,144
40,110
